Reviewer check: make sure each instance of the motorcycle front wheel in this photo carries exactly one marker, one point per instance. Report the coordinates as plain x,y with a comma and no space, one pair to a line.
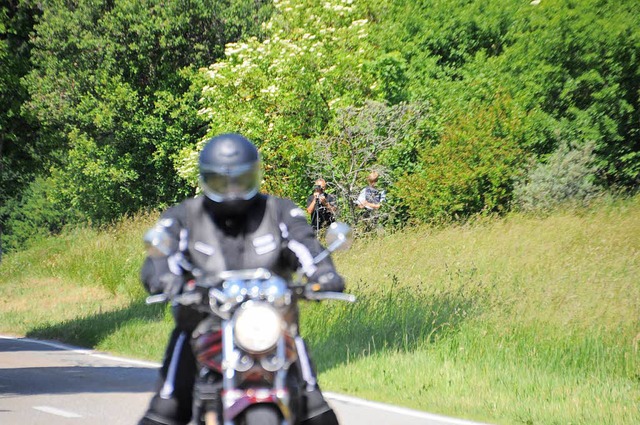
261,414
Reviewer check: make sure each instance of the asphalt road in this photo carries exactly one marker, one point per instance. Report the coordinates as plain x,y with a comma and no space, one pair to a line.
53,384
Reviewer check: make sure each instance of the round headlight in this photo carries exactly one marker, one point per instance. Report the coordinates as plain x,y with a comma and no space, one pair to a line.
257,327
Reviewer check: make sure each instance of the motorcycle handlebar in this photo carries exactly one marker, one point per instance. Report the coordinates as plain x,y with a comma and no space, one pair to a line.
155,299
194,297
185,299
339,296
302,292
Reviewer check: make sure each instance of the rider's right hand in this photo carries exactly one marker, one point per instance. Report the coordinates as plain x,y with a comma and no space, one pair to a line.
172,285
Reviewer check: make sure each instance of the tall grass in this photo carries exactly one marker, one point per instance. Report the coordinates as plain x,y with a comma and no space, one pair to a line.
519,320
525,319
108,258
82,288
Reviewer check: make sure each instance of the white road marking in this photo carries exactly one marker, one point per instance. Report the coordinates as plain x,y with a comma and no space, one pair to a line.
398,410
83,351
57,412
329,395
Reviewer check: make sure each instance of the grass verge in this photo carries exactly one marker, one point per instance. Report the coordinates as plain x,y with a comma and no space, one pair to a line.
518,320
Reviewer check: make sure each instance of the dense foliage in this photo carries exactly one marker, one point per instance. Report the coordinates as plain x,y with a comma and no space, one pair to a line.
465,107
111,89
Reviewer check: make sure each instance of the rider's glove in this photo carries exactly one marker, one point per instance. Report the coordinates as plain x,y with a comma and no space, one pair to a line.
171,284
326,281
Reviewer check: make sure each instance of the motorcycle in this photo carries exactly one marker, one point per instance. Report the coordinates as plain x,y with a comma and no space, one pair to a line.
249,335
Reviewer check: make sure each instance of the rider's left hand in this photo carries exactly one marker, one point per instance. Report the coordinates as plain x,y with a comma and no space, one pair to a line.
326,281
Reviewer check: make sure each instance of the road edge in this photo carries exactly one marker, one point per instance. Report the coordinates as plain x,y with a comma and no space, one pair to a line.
329,395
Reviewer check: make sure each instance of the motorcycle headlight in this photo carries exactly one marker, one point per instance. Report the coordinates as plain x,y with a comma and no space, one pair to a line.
257,327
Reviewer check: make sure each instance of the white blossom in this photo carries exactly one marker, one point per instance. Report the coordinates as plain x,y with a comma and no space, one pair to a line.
272,89
204,111
233,48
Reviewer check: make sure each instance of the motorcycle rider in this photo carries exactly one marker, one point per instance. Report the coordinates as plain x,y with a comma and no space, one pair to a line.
231,227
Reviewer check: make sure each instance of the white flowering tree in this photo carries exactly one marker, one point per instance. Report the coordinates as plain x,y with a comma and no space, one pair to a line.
282,91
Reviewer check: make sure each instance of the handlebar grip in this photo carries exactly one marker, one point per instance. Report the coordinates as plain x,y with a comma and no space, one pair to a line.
340,296
155,299
184,299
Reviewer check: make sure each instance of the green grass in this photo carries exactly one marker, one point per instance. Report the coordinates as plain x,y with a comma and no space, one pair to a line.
518,320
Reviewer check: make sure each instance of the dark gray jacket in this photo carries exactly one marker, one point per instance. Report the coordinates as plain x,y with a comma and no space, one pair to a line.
273,234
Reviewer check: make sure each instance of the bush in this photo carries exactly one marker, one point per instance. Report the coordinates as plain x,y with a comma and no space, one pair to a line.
470,169
375,136
567,176
33,216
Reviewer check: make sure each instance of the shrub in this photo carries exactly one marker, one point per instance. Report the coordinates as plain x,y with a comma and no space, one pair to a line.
33,216
471,168
567,176
375,136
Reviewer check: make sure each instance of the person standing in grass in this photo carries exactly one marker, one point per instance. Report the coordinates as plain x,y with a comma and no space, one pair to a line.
370,200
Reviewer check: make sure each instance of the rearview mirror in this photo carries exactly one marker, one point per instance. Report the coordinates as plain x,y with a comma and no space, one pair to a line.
159,242
339,236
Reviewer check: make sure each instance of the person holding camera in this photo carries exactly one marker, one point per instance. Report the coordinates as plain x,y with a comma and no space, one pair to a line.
321,206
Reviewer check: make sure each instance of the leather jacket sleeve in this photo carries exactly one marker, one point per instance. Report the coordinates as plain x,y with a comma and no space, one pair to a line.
157,272
303,246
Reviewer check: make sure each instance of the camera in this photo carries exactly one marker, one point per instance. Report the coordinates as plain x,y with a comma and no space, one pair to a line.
317,188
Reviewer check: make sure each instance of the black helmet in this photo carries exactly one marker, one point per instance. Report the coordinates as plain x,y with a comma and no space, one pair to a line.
230,171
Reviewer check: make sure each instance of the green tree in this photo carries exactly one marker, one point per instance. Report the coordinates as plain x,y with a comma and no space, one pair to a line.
578,63
119,102
374,136
114,91
566,176
19,158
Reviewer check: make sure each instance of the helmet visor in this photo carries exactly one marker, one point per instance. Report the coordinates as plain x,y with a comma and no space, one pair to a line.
231,183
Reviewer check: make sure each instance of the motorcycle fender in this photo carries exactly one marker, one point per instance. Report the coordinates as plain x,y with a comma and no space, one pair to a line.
237,404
